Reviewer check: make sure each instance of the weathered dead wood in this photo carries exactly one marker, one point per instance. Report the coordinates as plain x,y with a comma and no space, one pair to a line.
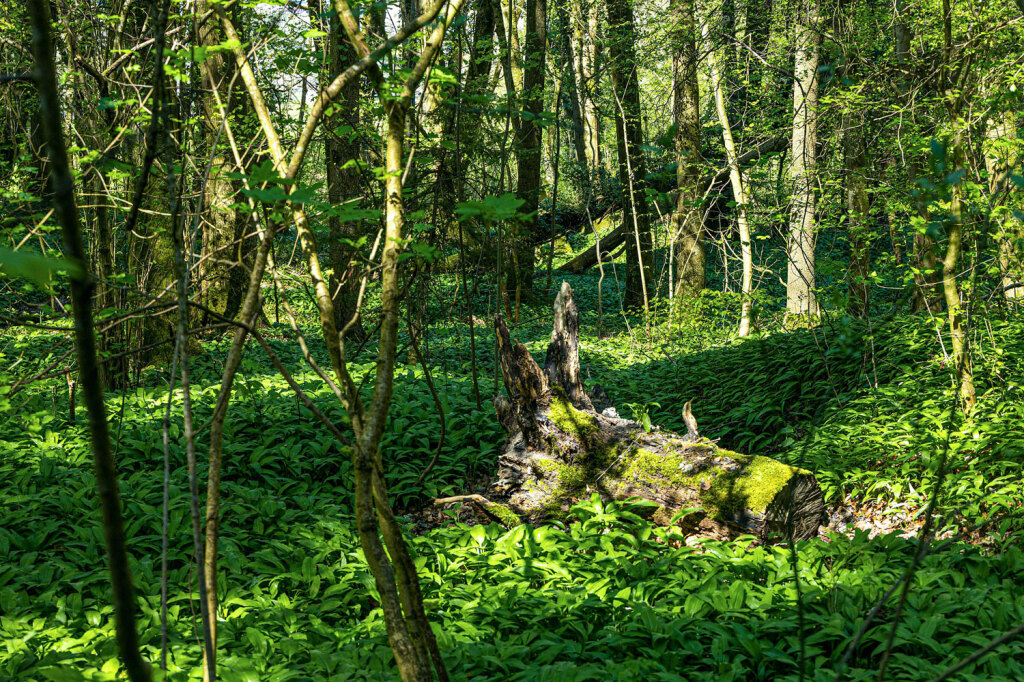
562,362
560,449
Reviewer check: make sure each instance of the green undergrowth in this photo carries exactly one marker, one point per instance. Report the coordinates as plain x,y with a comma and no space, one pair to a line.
609,596
866,408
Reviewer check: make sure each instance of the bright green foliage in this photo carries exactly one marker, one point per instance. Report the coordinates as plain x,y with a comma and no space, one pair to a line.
607,595
864,408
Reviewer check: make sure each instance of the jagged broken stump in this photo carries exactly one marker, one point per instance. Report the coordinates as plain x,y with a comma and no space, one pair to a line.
560,449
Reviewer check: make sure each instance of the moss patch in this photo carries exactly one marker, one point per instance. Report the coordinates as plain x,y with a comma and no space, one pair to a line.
578,424
572,478
752,485
506,516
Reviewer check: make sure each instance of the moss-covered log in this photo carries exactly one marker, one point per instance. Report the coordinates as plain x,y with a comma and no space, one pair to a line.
561,449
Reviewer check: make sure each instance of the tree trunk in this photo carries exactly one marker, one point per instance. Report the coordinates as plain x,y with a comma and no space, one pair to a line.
575,91
757,15
800,301
857,216
82,285
520,272
221,276
927,276
510,20
621,40
1000,161
688,219
589,53
343,184
960,355
738,190
560,449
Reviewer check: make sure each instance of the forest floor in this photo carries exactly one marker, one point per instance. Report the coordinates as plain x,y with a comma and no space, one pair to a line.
606,596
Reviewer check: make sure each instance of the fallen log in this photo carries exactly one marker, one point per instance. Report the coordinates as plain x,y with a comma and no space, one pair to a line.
588,258
560,449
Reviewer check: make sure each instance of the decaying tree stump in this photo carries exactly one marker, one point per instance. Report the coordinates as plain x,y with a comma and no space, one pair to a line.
561,449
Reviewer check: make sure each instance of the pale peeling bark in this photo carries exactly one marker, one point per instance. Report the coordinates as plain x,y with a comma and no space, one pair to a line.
800,300
560,449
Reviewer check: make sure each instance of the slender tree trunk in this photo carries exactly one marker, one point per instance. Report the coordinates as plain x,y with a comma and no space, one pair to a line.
112,373
857,218
343,184
800,300
738,189
927,276
520,275
960,357
621,41
688,219
510,19
82,285
409,633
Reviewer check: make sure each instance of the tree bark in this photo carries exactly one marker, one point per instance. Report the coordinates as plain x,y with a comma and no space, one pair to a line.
927,276
588,54
688,218
574,89
560,449
960,355
343,184
82,286
738,190
857,219
528,150
221,276
800,300
1000,161
621,42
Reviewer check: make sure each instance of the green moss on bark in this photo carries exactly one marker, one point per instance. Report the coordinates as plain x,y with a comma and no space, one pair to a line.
506,516
753,484
578,424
